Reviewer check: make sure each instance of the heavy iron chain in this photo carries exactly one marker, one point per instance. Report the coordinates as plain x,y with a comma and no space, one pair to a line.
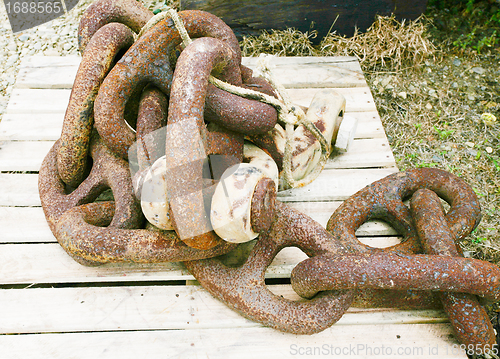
125,90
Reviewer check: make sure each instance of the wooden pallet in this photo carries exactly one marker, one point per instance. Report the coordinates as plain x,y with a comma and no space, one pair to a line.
52,307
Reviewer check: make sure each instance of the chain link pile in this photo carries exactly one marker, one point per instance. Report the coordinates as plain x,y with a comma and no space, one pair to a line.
129,87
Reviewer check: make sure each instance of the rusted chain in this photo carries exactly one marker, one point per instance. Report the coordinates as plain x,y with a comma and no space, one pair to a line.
164,101
101,12
340,264
470,321
99,58
148,61
244,290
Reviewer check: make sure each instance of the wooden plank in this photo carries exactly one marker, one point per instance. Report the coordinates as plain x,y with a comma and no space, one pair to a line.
335,184
331,185
358,99
31,127
48,263
37,101
153,307
364,153
410,341
37,61
28,155
13,222
42,72
23,155
14,228
19,190
46,127
45,77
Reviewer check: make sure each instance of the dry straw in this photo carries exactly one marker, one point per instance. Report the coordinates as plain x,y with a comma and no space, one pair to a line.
387,44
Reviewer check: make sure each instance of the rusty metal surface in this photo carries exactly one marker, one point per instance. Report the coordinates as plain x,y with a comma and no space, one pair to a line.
470,321
79,118
341,266
128,12
189,143
148,60
243,288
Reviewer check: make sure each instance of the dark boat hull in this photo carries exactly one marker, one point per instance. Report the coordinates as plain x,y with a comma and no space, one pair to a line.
248,17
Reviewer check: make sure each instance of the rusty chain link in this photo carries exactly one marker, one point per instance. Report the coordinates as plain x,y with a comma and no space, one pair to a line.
138,107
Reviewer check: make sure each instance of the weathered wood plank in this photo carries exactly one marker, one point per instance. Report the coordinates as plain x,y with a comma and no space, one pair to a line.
23,155
363,153
357,98
19,190
36,101
14,229
38,61
331,185
335,184
24,225
153,308
410,341
34,127
48,263
39,73
45,77
46,127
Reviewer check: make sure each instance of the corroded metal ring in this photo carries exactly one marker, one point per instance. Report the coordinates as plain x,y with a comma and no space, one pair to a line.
384,200
149,61
103,232
99,58
101,12
244,290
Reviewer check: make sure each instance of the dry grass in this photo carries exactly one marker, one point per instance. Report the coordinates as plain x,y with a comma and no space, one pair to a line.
288,42
387,44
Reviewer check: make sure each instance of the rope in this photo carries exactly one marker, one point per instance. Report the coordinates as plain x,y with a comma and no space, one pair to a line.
288,114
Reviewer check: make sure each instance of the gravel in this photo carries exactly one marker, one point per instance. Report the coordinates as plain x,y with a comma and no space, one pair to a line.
55,38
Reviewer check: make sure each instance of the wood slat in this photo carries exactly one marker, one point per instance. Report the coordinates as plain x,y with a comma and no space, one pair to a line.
153,308
335,184
19,190
14,229
38,61
331,185
38,101
410,341
32,127
363,153
42,72
358,99
23,155
46,127
48,263
14,220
